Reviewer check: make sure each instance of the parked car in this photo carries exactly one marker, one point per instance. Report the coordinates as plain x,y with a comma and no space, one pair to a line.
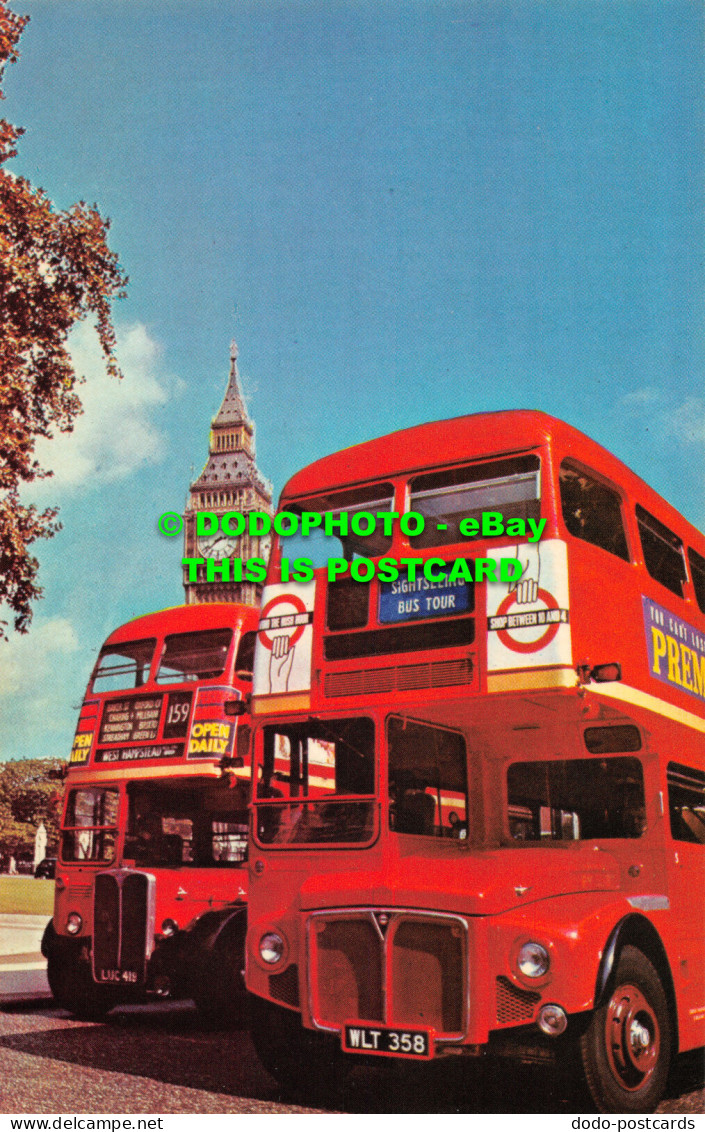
46,868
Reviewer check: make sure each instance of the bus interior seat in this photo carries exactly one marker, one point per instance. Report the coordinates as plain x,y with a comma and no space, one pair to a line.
416,812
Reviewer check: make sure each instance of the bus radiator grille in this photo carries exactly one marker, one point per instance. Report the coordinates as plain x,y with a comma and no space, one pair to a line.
401,677
427,975
348,979
284,987
397,968
513,1003
123,922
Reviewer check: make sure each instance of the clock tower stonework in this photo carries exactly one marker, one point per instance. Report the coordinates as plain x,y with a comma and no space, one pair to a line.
230,481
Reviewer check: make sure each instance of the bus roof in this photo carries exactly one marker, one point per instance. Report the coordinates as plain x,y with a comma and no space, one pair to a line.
186,619
461,439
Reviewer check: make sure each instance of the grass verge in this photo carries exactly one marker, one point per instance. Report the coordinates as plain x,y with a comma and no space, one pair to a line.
25,896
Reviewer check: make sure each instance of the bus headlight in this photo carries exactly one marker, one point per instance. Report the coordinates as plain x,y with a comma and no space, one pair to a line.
169,928
272,947
532,960
74,923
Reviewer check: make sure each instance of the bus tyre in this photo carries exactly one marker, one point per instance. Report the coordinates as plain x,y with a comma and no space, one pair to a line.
219,986
73,988
295,1057
627,1047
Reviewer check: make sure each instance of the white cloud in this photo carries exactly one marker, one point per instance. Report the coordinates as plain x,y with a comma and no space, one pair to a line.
668,419
643,398
42,675
684,420
115,434
30,661
687,421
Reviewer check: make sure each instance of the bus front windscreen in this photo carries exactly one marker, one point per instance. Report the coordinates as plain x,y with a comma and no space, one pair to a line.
90,826
575,799
317,782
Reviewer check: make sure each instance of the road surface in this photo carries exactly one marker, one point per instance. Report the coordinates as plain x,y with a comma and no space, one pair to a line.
163,1059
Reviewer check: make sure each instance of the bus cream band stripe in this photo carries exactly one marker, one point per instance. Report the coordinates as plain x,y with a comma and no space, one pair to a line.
643,699
523,681
299,701
565,678
147,772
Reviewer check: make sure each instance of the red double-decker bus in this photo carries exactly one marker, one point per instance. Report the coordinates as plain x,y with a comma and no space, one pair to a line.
479,820
151,881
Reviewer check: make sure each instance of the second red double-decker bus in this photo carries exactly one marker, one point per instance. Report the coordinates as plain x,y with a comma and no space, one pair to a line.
479,823
151,881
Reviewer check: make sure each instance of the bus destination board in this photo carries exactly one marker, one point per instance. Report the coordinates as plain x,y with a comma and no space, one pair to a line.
131,721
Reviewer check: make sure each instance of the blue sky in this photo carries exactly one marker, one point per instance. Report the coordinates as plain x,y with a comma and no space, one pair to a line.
403,210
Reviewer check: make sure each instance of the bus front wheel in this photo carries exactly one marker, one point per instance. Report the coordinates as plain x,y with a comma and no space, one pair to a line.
295,1057
73,988
627,1047
218,983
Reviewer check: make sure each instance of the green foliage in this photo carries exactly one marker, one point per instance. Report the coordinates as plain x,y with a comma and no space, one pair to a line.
30,793
55,269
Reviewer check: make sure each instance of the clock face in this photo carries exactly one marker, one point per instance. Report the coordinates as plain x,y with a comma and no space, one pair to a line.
217,546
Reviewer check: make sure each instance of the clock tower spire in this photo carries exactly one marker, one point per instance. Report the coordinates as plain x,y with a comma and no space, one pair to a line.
230,481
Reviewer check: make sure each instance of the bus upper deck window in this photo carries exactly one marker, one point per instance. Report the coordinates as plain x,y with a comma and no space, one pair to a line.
592,511
341,507
245,661
121,667
194,656
663,552
511,487
697,571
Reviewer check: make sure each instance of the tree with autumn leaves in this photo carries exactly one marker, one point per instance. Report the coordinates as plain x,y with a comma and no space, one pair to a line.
55,269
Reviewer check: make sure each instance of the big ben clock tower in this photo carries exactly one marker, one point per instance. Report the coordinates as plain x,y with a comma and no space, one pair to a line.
230,481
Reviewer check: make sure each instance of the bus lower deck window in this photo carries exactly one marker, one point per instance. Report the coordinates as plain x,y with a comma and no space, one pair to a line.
686,803
90,826
427,780
576,799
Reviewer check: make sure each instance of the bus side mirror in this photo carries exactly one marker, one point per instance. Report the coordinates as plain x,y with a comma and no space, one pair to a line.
228,763
605,673
237,707
600,673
